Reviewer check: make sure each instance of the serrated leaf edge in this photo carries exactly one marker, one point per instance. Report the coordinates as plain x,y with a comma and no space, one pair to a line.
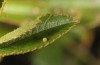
40,46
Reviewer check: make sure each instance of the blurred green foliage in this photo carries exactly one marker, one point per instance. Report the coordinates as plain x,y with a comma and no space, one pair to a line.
80,38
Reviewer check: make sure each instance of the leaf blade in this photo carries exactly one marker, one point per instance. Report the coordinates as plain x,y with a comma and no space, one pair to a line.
30,28
35,41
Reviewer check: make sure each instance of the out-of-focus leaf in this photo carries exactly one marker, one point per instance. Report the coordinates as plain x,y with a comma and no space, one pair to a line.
90,17
4,28
29,9
2,2
30,36
50,55
16,11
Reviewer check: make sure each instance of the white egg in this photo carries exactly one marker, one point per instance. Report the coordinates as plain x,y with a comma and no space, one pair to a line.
44,39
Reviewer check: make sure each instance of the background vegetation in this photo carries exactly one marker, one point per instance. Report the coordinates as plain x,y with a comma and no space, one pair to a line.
80,46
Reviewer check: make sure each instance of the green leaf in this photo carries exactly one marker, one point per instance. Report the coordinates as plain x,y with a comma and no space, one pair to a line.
2,2
30,28
50,55
25,10
29,36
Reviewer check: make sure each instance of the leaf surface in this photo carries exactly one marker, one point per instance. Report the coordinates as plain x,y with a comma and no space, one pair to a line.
29,36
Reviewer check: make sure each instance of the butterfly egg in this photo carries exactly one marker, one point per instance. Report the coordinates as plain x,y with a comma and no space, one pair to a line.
45,39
